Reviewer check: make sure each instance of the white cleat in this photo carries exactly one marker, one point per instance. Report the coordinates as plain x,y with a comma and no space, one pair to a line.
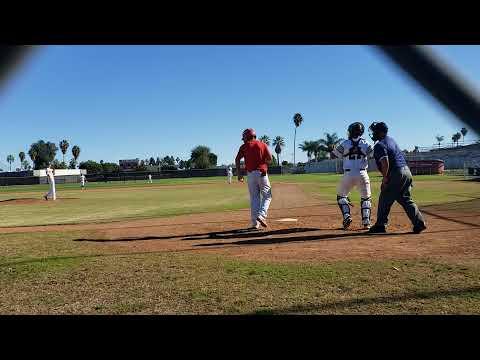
366,226
262,221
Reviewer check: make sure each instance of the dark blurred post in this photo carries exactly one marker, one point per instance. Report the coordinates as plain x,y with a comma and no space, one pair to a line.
422,65
11,57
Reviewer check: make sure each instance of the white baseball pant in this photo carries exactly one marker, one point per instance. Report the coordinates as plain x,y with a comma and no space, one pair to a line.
359,180
230,179
260,195
51,191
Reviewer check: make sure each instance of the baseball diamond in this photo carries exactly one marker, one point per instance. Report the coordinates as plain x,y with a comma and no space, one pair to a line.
190,253
254,180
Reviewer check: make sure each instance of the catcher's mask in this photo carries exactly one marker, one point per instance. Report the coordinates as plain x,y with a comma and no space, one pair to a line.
377,129
355,130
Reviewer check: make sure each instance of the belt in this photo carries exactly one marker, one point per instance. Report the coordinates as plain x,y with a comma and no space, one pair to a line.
358,169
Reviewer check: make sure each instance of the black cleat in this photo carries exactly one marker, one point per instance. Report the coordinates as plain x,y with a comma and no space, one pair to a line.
377,229
417,229
347,222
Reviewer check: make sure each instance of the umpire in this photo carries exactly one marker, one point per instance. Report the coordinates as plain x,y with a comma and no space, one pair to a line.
397,180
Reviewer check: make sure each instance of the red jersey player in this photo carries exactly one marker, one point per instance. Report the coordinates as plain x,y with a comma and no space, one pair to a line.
257,157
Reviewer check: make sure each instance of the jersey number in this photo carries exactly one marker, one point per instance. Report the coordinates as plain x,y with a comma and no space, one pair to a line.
355,157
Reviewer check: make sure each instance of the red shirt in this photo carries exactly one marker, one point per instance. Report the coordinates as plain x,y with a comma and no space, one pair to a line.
256,154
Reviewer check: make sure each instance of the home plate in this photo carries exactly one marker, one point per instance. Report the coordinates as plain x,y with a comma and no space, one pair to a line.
287,220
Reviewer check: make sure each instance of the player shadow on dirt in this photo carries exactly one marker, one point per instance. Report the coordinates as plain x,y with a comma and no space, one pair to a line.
346,304
446,218
229,234
321,237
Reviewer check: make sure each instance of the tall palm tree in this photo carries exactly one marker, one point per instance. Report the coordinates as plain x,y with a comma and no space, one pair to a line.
279,143
10,160
265,139
75,152
439,139
64,147
297,120
330,141
21,156
464,132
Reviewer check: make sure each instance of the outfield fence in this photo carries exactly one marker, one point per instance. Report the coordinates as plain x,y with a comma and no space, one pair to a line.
26,178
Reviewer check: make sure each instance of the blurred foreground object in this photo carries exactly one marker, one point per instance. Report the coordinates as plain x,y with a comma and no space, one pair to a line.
11,56
439,80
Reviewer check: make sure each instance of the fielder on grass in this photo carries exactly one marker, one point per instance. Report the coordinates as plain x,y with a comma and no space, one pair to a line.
82,180
355,152
229,174
51,181
150,178
257,157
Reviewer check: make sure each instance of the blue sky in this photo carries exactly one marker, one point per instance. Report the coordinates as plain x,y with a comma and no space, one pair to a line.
119,102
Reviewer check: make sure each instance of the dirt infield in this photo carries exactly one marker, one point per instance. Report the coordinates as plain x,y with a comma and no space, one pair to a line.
453,233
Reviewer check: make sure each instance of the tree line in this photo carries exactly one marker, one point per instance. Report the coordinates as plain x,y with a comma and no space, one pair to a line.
43,153
316,150
201,157
455,137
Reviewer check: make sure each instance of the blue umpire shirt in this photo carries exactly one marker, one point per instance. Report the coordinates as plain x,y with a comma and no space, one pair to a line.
387,147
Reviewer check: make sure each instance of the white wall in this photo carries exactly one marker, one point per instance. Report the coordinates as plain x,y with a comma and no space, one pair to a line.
60,172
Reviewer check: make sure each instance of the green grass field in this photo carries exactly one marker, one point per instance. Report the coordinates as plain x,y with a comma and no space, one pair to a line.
48,272
134,200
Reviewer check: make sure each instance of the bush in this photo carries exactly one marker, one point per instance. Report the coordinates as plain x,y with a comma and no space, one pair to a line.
91,166
110,167
58,165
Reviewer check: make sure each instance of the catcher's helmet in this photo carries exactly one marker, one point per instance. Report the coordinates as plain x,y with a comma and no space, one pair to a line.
248,134
377,128
355,130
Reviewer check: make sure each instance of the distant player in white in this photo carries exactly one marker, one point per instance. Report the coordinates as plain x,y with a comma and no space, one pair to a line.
229,174
82,180
355,153
149,178
51,181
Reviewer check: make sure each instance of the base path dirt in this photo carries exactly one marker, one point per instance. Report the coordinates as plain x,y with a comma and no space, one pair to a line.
453,233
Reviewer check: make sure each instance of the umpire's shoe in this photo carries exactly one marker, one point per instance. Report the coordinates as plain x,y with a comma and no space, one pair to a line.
377,229
417,229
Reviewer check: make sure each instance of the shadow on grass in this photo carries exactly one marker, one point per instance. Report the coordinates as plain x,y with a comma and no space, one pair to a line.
346,304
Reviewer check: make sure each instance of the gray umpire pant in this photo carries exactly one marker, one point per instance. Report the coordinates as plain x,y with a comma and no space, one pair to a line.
398,189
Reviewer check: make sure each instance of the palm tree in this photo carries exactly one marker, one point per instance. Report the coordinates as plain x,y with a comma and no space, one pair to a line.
75,153
64,147
456,137
464,132
279,143
308,147
330,141
10,160
297,120
439,139
265,139
21,156
33,153
319,150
